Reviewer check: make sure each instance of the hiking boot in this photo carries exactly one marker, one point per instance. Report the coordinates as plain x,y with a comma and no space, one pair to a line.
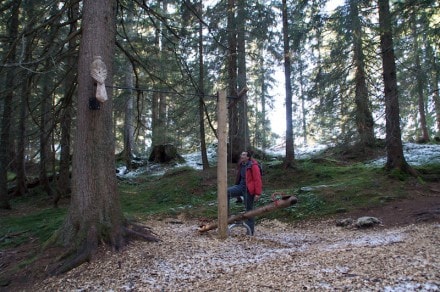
239,200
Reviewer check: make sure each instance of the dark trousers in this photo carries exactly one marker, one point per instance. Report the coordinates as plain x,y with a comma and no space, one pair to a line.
238,191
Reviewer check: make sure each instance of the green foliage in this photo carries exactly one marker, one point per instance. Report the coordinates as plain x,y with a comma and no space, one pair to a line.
176,191
323,187
29,225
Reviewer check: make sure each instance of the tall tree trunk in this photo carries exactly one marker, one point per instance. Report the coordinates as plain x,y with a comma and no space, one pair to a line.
289,160
303,100
129,117
243,126
234,139
7,107
436,94
395,158
70,84
201,89
95,214
264,142
364,117
45,127
20,157
159,104
420,83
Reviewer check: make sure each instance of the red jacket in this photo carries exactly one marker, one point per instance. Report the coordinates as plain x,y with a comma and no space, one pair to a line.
254,182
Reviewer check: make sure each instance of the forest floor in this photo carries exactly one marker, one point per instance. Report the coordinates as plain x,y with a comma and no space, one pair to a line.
401,254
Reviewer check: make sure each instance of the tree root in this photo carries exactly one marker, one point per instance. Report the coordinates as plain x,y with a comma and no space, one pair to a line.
138,231
75,256
72,261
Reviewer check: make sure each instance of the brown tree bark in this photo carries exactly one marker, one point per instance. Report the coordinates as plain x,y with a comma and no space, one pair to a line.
395,158
95,214
289,160
436,95
243,124
129,117
5,140
364,117
70,83
201,91
234,139
21,185
420,76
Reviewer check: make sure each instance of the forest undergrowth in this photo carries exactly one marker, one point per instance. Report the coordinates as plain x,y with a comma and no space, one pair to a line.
335,182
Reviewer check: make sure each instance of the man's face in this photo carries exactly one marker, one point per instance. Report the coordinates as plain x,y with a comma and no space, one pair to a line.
244,157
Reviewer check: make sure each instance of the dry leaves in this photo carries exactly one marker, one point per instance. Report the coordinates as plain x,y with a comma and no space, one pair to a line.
280,257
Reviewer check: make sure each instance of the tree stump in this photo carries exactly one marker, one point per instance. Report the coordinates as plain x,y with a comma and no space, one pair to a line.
165,153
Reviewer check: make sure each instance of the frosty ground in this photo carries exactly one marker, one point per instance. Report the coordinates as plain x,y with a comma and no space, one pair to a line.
315,256
401,254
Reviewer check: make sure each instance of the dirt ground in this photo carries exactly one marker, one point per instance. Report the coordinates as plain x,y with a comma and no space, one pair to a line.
401,253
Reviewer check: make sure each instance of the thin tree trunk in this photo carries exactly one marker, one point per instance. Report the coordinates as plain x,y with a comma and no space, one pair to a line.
436,95
45,135
205,161
395,158
243,126
289,160
20,160
129,117
7,107
70,83
420,76
234,139
303,101
364,117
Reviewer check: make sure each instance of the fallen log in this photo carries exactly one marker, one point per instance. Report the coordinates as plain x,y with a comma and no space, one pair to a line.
279,201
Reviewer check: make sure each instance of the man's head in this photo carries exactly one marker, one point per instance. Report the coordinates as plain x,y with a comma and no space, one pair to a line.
246,155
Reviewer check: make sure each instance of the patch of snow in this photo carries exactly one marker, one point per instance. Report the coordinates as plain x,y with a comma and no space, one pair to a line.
415,154
408,285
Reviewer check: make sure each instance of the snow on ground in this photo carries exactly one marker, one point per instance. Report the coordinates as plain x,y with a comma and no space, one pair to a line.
315,256
415,154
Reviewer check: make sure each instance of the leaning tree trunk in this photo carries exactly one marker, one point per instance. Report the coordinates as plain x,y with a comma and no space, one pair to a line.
95,214
395,158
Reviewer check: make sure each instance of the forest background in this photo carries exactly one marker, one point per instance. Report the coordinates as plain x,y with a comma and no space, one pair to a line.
167,60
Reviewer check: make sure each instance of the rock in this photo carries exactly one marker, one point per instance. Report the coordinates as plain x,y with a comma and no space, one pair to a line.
344,222
366,221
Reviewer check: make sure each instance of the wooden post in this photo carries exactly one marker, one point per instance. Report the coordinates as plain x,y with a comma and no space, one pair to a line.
222,196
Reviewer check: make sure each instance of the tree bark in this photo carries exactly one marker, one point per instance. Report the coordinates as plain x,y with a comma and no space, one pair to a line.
7,107
420,82
20,160
395,158
364,117
95,214
234,139
70,83
289,160
436,94
243,125
201,89
129,117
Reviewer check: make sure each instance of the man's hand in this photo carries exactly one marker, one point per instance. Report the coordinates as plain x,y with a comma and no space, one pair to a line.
256,197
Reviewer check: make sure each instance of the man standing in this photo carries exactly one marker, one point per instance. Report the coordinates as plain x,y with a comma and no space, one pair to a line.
248,184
